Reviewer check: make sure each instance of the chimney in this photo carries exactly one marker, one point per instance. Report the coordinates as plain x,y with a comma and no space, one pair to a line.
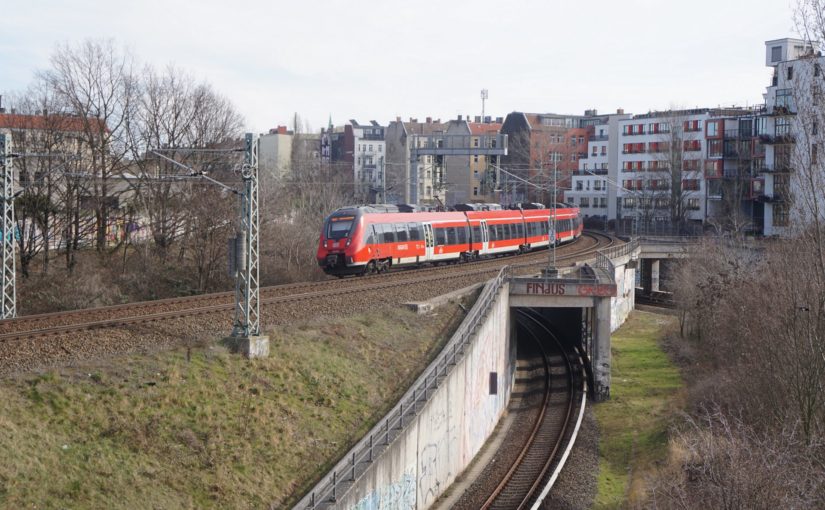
438,121
486,119
2,110
397,119
459,118
620,111
429,120
499,120
478,119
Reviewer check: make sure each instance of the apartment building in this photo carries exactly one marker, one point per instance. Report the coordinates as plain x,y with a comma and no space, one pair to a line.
543,153
472,178
791,131
594,185
368,152
432,183
275,152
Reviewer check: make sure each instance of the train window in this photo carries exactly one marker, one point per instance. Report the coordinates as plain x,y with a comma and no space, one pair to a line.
519,230
440,236
501,232
388,234
451,235
476,234
401,232
339,227
370,234
491,232
415,232
462,235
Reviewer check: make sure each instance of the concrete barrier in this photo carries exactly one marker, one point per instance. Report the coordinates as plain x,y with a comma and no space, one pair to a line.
441,427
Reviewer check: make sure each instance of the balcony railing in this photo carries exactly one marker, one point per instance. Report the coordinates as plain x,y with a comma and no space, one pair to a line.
776,168
595,171
780,110
777,139
598,138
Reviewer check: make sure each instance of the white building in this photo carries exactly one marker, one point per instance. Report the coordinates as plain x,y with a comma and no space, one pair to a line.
275,152
369,158
594,186
791,132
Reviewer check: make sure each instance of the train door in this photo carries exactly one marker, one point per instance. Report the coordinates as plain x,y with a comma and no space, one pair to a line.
429,241
485,237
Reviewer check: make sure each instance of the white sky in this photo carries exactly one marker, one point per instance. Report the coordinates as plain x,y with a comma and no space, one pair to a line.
364,60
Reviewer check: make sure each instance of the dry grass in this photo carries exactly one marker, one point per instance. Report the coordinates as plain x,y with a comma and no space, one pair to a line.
204,428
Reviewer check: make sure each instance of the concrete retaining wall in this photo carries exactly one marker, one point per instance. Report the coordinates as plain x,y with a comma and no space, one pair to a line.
625,300
441,441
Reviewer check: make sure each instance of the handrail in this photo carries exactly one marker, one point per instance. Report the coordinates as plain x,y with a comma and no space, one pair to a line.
411,403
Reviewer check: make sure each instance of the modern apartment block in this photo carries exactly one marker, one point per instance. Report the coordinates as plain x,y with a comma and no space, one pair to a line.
791,130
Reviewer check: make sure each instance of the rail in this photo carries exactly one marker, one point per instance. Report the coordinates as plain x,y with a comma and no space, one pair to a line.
358,459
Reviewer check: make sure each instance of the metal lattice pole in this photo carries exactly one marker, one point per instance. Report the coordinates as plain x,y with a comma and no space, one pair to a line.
247,309
9,284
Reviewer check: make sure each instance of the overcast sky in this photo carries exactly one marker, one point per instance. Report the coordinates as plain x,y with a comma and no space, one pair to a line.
366,60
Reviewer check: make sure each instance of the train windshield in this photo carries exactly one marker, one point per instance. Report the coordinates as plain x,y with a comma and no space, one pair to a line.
339,227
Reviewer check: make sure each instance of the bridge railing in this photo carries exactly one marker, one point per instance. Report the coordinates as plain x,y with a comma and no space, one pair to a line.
359,458
604,258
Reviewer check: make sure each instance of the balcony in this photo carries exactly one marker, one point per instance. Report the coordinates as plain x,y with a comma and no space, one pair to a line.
780,110
371,137
595,171
777,139
776,168
770,198
735,134
597,138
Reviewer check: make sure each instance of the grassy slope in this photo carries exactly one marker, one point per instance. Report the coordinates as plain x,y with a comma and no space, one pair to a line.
206,428
633,424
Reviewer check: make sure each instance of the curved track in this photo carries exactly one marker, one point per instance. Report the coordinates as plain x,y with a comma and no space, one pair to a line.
523,482
164,309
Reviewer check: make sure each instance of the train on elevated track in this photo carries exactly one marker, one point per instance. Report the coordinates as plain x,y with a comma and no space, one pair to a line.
368,239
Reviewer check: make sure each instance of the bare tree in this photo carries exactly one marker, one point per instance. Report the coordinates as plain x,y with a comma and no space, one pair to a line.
97,82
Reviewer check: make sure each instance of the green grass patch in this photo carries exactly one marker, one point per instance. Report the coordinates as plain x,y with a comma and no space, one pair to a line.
633,424
203,428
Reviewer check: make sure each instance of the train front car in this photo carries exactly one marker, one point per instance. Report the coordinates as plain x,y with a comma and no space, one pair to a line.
341,242
568,223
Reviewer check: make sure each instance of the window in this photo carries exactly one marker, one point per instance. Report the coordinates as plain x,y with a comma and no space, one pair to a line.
415,232
776,53
475,191
584,202
475,142
690,184
790,72
715,148
780,215
388,233
713,128
629,203
380,148
692,204
578,185
784,99
401,233
452,235
604,150
440,236
603,202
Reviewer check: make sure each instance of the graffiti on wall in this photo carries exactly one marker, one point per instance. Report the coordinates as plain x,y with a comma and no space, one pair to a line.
398,495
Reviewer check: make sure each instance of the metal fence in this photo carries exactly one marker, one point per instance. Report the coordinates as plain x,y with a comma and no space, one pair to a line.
604,258
361,456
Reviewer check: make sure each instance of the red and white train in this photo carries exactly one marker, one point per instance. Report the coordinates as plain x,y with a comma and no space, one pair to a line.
373,238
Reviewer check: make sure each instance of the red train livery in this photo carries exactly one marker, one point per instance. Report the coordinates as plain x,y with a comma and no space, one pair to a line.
368,239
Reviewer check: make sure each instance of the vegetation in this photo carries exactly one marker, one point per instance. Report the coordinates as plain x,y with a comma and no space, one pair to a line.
200,428
633,423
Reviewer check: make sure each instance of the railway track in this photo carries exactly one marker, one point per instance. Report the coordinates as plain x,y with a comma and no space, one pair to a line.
524,481
40,341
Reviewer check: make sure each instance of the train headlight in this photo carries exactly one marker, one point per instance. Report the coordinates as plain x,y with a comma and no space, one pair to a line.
348,241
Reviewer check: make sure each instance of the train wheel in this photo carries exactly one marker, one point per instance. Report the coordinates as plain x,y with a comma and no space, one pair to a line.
370,268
